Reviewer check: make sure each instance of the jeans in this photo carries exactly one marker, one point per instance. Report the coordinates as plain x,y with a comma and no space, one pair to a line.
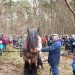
55,70
73,65
4,47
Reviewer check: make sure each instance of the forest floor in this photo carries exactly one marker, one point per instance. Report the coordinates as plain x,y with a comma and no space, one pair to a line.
12,64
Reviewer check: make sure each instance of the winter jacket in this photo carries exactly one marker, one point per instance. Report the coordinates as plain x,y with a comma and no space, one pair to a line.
1,46
54,52
43,40
4,40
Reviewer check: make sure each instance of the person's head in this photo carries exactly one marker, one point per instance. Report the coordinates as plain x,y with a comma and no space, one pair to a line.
55,37
73,36
43,35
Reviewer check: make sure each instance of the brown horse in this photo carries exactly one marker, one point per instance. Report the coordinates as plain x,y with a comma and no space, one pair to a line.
31,52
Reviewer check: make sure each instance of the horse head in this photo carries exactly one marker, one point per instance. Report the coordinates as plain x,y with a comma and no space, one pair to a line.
32,38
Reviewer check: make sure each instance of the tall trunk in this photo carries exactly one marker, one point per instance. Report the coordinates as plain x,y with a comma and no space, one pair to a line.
11,19
70,8
73,12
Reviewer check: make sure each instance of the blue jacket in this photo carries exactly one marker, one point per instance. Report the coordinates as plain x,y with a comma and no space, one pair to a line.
1,46
54,53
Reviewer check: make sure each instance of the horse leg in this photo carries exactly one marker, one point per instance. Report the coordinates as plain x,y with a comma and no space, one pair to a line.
39,63
34,69
39,60
26,69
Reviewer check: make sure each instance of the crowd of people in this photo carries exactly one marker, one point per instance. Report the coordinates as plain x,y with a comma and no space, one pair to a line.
55,42
66,41
50,43
14,40
3,43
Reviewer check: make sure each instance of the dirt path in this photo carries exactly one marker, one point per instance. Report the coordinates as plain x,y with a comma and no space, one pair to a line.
12,64
10,69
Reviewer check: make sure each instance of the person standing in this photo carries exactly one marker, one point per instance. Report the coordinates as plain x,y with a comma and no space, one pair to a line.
73,47
43,38
1,47
54,54
4,41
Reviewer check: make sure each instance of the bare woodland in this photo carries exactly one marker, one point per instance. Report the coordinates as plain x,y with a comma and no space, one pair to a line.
51,16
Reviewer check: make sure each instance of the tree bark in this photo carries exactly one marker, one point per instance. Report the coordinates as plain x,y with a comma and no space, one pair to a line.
70,8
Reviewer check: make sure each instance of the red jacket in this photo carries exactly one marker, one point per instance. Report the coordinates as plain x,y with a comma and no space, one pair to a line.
43,38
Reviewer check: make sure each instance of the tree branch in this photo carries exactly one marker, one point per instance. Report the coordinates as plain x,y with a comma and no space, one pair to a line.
70,8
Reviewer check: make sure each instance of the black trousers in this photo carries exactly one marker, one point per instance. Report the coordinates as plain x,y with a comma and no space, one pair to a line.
73,72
